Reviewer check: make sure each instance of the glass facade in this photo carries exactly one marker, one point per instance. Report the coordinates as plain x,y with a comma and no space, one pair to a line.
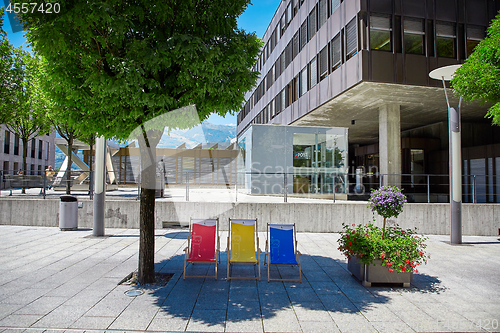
306,161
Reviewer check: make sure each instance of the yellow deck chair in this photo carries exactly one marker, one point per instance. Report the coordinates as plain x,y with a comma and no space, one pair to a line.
243,245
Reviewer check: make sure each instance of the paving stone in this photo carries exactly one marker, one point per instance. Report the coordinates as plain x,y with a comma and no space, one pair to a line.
168,324
207,321
42,305
280,321
19,320
319,326
93,323
311,311
62,317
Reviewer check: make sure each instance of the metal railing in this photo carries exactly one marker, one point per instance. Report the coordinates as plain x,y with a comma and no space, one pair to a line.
426,188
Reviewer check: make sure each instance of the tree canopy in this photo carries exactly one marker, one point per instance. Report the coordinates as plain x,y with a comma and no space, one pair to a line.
119,64
126,62
479,77
6,71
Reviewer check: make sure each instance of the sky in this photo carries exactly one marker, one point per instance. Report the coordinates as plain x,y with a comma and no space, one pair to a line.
255,19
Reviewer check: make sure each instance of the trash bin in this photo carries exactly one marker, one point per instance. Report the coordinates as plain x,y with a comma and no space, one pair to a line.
68,213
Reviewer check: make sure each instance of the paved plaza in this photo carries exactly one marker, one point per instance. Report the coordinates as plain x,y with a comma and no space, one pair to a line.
55,281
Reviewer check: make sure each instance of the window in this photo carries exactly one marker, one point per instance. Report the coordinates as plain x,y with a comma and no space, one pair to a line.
323,12
336,52
282,25
288,54
446,39
288,94
312,24
6,144
313,77
288,14
295,45
277,65
303,34
271,110
282,58
295,6
296,87
283,100
5,167
16,144
33,148
303,81
380,32
40,147
277,102
475,34
414,35
351,39
32,168
323,63
335,5
40,170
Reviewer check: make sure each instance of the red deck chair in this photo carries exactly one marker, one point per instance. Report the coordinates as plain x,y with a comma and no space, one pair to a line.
203,244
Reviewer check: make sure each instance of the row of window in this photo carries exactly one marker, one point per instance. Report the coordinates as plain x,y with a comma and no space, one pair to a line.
328,59
34,153
15,168
415,30
315,20
382,35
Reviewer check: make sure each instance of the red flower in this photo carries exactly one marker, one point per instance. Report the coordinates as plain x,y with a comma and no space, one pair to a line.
403,268
350,243
421,253
347,236
407,261
353,232
391,270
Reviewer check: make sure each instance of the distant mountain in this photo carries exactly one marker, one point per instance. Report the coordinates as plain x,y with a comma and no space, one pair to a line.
206,132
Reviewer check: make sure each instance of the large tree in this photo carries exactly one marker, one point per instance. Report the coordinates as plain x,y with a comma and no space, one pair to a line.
479,77
126,62
6,72
29,105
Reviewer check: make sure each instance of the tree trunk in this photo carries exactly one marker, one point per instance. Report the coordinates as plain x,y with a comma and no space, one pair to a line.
70,162
383,229
147,147
25,154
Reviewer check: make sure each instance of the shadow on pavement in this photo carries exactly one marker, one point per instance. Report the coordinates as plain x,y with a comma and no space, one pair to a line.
327,286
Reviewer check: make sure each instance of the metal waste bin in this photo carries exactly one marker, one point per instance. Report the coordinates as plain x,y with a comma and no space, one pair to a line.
68,213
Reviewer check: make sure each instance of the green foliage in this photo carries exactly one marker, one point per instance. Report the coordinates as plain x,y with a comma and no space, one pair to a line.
400,250
6,72
28,104
479,77
126,62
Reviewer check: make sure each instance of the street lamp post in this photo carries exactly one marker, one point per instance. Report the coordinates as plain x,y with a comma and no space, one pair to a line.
455,150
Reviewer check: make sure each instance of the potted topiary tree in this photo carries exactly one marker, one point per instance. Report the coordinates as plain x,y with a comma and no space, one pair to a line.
383,255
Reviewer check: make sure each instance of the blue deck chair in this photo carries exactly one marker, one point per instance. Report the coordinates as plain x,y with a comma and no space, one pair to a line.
281,248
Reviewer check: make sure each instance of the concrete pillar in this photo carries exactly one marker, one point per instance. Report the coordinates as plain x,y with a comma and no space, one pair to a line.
389,132
99,186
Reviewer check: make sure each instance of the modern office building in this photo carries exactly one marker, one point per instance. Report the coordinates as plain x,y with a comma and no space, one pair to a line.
41,152
364,65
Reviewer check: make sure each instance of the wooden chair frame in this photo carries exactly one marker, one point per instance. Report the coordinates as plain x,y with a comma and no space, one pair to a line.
188,249
228,251
267,256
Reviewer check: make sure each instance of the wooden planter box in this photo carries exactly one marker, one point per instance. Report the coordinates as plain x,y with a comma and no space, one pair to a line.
376,273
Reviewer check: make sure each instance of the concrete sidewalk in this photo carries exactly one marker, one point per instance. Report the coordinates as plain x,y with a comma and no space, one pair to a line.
53,281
